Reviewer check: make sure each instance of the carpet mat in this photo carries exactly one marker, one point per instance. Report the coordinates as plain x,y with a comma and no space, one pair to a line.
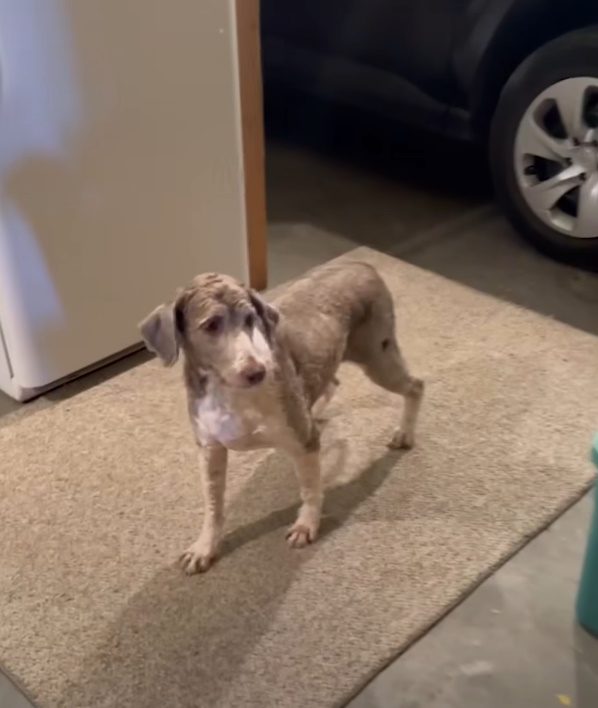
99,494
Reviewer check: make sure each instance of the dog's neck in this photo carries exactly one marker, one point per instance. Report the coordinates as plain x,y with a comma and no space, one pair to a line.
238,418
196,379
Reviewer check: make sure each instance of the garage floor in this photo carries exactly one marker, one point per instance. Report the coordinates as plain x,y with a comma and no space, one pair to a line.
513,642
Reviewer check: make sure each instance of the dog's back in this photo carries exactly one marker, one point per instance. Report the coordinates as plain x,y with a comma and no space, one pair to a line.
325,316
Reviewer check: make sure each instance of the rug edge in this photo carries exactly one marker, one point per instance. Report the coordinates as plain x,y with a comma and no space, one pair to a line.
472,587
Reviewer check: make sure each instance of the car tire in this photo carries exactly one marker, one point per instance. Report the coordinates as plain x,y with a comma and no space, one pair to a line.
536,95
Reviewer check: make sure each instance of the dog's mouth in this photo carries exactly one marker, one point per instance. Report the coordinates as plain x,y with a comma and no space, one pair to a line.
248,381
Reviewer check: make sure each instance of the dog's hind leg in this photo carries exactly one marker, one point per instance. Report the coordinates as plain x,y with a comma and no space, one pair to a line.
375,348
390,371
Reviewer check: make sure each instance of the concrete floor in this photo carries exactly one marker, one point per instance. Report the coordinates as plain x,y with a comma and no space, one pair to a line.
513,642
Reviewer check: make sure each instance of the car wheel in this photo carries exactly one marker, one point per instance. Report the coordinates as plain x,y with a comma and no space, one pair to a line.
544,148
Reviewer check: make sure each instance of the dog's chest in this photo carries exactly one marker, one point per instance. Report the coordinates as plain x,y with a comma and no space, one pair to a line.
239,422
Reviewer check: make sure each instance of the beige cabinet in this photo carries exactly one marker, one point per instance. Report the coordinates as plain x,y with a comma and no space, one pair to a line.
124,152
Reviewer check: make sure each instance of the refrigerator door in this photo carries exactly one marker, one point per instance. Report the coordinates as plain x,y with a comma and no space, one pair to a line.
121,172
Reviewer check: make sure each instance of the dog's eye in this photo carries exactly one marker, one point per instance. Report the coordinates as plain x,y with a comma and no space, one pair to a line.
214,325
249,321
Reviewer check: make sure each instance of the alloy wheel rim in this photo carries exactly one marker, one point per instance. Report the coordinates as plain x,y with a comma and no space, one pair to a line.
556,157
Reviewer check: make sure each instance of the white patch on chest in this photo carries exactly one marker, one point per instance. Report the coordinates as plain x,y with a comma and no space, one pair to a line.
243,419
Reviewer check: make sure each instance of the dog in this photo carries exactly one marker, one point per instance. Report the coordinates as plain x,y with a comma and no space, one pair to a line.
258,374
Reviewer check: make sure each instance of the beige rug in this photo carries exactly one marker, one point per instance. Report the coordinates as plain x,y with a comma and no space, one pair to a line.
98,495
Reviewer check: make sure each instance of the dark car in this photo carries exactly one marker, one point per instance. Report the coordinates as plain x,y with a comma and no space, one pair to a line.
520,76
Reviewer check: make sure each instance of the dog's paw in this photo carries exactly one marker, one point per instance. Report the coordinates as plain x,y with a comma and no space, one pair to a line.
301,534
198,557
402,440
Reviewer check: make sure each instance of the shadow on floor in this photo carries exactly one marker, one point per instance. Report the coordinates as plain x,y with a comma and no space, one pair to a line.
381,148
11,410
183,641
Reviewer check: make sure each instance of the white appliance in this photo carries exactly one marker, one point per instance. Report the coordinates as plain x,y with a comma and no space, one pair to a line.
121,173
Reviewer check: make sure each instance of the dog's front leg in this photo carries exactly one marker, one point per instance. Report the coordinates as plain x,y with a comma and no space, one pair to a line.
305,529
199,556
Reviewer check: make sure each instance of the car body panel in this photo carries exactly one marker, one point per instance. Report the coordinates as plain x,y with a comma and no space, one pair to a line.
436,64
372,53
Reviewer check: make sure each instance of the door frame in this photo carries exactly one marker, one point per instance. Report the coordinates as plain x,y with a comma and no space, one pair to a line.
252,135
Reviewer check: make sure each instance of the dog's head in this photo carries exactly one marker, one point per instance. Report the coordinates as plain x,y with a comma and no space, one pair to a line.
224,329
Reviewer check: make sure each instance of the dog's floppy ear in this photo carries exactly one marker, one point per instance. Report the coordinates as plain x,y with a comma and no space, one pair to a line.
160,333
266,312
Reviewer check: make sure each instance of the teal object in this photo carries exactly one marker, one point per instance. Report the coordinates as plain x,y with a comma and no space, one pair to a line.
587,597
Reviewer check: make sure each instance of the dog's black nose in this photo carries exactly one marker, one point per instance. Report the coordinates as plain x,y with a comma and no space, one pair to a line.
256,376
